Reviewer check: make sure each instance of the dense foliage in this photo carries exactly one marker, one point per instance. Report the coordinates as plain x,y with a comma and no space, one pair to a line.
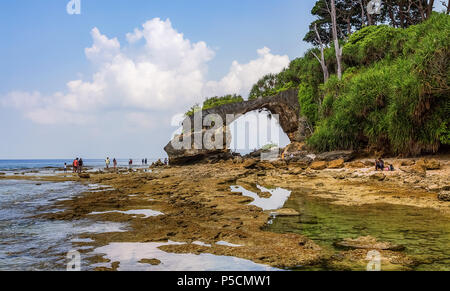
394,96
215,102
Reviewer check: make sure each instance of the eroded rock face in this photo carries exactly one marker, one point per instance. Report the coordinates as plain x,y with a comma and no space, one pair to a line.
285,105
336,155
193,154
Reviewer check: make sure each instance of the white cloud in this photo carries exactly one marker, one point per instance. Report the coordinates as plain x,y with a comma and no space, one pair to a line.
103,49
241,77
163,76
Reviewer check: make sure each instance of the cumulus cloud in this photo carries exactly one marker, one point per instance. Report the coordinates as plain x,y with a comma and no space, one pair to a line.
164,75
241,77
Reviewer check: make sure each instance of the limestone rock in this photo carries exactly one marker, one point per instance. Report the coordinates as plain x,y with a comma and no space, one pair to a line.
286,212
320,165
378,176
369,163
368,243
153,262
407,163
356,165
84,176
432,164
419,168
444,196
336,155
336,164
250,163
265,166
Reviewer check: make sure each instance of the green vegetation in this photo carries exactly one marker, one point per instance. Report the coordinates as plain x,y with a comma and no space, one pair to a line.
394,94
213,102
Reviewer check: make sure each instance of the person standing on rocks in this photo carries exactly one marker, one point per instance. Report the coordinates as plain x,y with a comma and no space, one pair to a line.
80,165
115,163
75,165
130,163
107,162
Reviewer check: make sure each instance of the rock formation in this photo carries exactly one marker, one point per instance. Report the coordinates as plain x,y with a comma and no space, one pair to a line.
285,105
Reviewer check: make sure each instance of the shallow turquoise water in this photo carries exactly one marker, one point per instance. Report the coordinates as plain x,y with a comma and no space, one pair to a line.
424,232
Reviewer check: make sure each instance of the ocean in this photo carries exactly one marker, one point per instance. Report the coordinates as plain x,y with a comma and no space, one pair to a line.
28,242
20,165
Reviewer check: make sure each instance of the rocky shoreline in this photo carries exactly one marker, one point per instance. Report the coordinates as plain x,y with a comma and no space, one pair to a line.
197,205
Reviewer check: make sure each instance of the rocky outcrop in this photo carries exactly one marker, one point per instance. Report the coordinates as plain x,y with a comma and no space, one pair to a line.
368,243
336,155
285,105
444,196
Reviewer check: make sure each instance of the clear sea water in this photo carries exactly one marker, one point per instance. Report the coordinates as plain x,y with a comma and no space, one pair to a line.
20,165
30,243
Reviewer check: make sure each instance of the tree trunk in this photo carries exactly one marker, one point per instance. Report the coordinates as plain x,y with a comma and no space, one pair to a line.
363,14
337,47
391,13
430,8
322,62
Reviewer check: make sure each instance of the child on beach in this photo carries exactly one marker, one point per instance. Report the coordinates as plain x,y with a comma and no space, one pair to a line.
107,162
65,168
115,163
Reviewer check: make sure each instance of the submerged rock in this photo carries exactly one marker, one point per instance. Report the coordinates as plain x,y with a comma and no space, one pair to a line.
368,243
286,212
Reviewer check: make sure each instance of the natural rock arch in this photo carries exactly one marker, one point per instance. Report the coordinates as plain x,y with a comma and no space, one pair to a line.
284,104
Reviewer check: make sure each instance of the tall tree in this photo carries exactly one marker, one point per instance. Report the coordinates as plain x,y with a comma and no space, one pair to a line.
321,60
337,46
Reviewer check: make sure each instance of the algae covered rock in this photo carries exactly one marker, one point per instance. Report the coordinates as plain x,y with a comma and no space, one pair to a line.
286,212
368,243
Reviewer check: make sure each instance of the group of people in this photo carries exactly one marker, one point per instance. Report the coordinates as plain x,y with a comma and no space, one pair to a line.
108,162
77,165
380,165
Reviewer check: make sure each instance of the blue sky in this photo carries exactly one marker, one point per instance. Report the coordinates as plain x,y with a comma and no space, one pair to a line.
104,84
43,48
